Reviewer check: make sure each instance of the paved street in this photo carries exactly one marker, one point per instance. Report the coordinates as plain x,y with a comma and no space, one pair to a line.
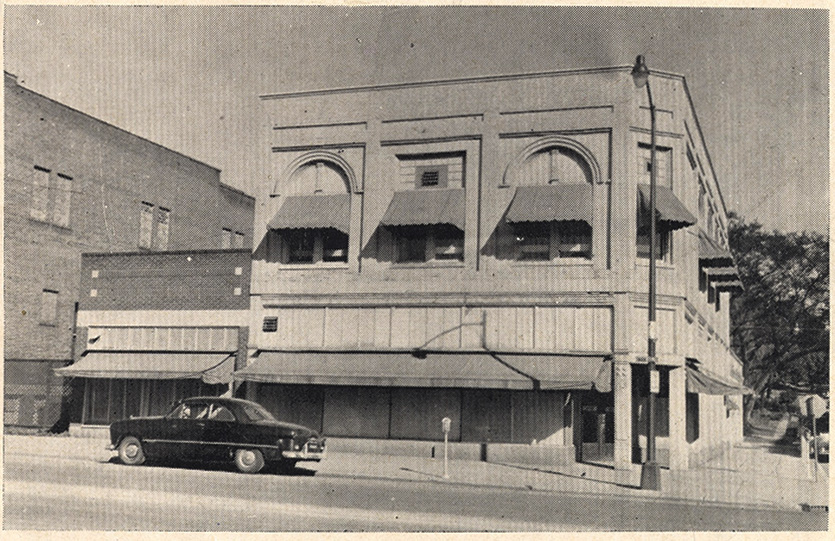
65,483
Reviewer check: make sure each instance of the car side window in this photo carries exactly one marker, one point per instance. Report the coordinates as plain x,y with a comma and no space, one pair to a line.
221,413
192,411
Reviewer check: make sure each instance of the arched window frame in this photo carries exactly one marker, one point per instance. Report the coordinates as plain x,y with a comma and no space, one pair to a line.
318,156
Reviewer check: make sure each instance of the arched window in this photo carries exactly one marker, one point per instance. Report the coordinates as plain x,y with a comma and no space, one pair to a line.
555,164
551,214
313,223
317,177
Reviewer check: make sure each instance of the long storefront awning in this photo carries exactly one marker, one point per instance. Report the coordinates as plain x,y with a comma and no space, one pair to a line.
551,203
428,206
402,369
702,381
314,212
212,368
722,273
670,210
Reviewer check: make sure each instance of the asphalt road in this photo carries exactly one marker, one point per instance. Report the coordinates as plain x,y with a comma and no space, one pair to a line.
83,494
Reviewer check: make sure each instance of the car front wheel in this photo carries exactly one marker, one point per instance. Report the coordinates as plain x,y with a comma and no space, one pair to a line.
249,460
130,451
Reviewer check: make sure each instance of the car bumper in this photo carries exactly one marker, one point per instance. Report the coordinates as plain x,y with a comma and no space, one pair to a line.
305,453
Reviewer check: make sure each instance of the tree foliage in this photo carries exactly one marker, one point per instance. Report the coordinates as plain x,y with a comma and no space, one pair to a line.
780,323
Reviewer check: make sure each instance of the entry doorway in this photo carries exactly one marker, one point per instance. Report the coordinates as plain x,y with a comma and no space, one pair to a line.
596,430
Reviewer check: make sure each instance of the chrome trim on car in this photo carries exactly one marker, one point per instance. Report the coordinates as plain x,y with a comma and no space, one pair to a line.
223,443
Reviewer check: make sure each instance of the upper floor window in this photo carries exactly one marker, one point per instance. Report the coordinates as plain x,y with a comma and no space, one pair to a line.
49,307
238,240
544,241
51,197
153,227
553,165
671,214
426,244
317,177
225,239
663,165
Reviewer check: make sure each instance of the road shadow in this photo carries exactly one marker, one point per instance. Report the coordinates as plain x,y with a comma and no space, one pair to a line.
220,466
582,476
425,474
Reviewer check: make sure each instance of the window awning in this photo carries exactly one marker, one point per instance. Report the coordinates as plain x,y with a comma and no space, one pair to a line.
728,285
428,206
400,369
551,203
702,381
711,254
721,273
314,212
212,368
671,212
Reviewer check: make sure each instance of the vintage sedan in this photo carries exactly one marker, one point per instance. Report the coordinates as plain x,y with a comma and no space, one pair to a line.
213,429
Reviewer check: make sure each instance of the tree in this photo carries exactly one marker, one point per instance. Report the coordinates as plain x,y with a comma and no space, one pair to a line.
780,322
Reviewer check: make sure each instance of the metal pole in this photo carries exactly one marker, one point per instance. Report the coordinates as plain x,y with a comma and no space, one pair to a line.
650,472
446,460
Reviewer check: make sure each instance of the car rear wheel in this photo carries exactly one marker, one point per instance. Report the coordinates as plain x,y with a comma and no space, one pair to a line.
249,460
130,451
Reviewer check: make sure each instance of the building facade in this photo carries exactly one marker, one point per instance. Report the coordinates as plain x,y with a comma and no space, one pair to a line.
76,184
478,249
157,327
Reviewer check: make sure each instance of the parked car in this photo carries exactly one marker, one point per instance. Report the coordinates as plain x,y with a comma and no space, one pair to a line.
213,429
822,425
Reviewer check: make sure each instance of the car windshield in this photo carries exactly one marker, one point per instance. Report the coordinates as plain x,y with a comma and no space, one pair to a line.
256,412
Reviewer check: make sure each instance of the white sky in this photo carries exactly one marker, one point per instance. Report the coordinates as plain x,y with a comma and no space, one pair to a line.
189,77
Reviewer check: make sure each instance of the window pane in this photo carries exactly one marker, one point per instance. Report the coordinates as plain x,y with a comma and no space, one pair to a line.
49,306
161,242
662,245
226,239
40,194
299,246
146,225
449,244
238,240
335,245
534,240
99,391
63,196
575,239
411,246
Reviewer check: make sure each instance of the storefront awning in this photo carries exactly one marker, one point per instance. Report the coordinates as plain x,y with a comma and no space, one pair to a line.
426,207
702,381
551,203
671,212
711,254
728,285
212,368
314,212
458,370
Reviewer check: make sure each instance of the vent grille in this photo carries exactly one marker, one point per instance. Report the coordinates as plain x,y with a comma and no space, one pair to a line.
270,324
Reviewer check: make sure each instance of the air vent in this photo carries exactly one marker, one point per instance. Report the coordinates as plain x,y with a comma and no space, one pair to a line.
270,324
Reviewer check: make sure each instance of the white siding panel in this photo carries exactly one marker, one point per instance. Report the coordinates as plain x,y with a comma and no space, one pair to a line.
399,327
563,330
472,328
417,327
524,328
544,335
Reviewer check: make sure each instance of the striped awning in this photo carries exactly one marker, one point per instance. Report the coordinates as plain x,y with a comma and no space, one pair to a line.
721,273
429,206
458,370
728,285
711,254
670,210
212,368
551,203
314,212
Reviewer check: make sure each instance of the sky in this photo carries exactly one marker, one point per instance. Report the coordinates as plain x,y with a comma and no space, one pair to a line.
189,77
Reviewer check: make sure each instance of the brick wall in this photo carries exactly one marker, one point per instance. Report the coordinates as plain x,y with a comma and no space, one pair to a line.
113,172
182,280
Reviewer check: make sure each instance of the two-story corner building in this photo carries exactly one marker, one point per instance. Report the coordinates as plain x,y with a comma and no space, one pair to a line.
157,327
76,184
477,249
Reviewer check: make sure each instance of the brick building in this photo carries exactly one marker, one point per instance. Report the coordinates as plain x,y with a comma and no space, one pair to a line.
76,184
477,249
156,327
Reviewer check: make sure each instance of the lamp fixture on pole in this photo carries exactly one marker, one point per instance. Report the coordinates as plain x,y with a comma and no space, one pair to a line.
650,470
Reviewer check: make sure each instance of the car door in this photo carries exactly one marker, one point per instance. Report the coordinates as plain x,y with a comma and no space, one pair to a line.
220,434
185,431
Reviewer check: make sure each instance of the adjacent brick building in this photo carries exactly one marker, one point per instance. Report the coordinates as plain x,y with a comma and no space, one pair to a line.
156,327
477,249
76,184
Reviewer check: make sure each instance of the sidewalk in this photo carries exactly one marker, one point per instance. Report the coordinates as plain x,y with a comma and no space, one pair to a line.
753,475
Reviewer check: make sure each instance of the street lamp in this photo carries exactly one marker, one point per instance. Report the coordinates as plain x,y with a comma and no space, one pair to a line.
650,471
